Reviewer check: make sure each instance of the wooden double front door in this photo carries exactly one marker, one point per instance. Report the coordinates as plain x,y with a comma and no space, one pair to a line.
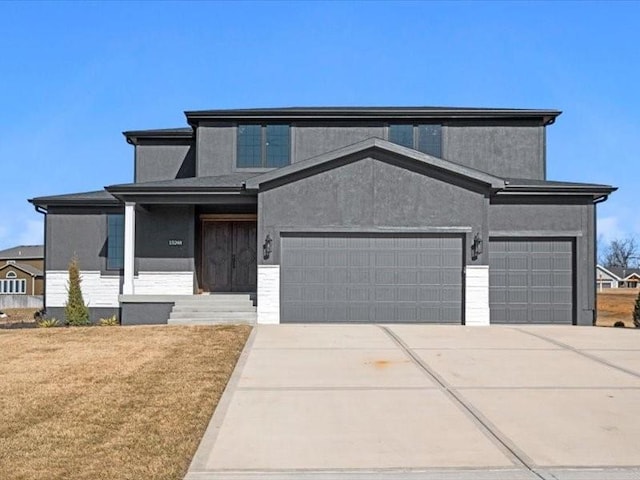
229,256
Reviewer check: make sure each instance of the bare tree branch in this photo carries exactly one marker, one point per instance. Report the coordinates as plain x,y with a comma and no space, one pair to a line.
621,253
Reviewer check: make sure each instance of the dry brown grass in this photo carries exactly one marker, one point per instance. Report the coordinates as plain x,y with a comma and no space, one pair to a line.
109,403
18,315
616,306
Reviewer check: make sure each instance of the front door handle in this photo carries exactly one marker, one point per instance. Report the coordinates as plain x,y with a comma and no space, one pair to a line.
233,261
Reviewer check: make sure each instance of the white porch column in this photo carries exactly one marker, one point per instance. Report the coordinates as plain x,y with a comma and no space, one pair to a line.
129,247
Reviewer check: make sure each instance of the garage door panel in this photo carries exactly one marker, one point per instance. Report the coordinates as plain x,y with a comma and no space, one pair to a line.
381,278
359,275
310,275
406,276
406,293
531,280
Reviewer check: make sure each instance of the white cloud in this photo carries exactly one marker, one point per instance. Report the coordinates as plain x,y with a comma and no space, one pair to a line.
609,229
32,233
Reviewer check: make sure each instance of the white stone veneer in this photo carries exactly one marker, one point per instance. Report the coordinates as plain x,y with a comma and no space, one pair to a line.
269,294
103,290
476,307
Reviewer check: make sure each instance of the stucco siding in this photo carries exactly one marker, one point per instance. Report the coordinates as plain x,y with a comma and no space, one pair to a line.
164,162
310,141
368,194
504,151
79,231
155,227
216,150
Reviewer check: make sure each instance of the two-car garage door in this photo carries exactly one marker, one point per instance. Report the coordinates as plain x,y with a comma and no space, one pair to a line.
371,278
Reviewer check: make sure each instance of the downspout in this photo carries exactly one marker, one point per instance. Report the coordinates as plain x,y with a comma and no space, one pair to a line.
43,211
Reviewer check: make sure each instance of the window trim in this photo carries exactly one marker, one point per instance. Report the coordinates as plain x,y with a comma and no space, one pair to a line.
11,274
263,146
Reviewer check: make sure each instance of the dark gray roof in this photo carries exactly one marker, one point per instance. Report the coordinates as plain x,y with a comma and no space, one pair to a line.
526,185
22,251
231,181
99,197
363,113
159,133
25,267
624,272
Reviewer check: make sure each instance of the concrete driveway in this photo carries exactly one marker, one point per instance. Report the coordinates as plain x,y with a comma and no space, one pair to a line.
428,402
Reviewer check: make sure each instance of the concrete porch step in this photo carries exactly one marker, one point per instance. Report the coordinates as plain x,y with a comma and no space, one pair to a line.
218,297
209,314
212,321
225,308
229,307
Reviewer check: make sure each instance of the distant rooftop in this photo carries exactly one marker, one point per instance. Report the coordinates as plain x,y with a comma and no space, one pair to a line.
22,251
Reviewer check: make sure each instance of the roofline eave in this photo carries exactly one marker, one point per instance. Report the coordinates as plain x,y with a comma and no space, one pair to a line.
373,113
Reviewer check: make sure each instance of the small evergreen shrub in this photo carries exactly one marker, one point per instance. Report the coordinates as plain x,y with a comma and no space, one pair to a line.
48,323
75,311
636,312
109,321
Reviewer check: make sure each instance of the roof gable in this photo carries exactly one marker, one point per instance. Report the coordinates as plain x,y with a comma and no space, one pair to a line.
26,268
381,150
608,273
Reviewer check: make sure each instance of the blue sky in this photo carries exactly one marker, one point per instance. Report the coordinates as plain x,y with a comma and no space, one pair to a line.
73,76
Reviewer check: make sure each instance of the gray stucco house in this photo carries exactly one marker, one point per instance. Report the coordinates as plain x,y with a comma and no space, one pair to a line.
411,214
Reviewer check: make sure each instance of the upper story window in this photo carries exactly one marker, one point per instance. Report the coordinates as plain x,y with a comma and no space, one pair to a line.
263,146
115,241
426,138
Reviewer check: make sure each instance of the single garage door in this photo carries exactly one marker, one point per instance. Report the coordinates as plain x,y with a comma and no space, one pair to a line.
371,278
531,280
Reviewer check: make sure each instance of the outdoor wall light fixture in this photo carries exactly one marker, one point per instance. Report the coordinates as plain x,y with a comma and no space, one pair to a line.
266,248
476,246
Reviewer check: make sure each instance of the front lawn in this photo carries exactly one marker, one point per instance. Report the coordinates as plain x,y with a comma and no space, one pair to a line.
109,402
616,305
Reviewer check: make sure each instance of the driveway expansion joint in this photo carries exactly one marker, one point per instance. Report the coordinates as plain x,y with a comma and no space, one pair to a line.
582,352
518,457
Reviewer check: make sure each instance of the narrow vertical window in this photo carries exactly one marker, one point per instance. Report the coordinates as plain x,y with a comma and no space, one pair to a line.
430,140
249,146
277,145
115,242
401,134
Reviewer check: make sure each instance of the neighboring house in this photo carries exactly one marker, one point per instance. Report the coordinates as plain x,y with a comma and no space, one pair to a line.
407,214
617,277
21,277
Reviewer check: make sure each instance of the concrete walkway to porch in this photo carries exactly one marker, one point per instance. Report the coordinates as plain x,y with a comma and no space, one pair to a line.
428,402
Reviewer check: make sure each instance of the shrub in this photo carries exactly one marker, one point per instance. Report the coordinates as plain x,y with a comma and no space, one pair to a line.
48,323
109,321
75,311
636,312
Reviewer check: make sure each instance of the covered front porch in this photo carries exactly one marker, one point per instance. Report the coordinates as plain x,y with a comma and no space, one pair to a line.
185,238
